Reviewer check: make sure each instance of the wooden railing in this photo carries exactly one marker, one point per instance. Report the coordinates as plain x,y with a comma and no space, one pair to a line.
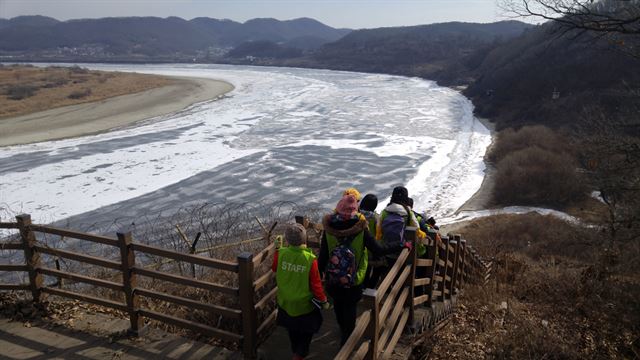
389,310
132,290
394,306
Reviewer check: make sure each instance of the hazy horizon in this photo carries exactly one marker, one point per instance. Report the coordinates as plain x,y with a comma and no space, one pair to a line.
352,14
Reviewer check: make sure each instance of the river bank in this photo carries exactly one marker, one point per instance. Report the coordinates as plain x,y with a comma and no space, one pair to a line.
109,114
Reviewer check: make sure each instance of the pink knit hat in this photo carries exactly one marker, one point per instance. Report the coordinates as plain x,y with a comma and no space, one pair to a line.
347,206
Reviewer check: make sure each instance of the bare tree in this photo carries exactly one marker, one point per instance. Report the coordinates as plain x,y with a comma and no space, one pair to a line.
601,16
616,21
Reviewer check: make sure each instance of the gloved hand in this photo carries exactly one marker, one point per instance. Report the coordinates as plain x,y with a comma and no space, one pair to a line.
408,245
322,305
279,241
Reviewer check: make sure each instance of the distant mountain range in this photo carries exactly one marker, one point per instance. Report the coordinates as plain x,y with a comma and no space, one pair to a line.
516,73
152,38
444,52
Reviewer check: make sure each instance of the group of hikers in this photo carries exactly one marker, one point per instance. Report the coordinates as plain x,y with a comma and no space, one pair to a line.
357,249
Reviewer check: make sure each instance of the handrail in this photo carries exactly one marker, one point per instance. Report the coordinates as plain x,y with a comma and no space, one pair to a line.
220,310
404,254
263,280
396,335
268,321
81,278
264,254
265,300
75,234
11,246
14,267
87,298
193,259
14,286
79,257
356,335
390,300
8,225
391,321
176,279
191,325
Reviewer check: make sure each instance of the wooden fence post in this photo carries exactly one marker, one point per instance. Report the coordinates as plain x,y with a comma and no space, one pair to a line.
444,255
31,256
249,316
450,269
456,264
431,270
370,301
129,280
463,260
410,235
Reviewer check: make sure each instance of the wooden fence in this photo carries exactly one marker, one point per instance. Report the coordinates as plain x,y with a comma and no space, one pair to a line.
126,249
390,309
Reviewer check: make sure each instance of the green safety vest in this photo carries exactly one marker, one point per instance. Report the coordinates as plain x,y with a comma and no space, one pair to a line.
372,225
292,278
362,257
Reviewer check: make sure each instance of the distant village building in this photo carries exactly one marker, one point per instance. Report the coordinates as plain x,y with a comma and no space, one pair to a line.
556,94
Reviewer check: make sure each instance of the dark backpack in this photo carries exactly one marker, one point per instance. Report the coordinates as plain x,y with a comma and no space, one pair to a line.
341,268
393,226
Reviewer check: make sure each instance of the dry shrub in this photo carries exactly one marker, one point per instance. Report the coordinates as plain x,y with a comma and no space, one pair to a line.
534,235
534,176
79,94
525,338
561,274
19,92
78,70
509,141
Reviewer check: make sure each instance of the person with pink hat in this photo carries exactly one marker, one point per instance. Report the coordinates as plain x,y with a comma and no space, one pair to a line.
343,258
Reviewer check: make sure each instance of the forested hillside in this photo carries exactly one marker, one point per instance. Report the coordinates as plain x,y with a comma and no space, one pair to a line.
591,77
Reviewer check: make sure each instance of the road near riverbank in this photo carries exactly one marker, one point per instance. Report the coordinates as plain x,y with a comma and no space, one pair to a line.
100,116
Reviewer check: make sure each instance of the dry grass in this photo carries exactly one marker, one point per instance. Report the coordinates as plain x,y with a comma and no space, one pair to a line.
567,295
28,89
536,166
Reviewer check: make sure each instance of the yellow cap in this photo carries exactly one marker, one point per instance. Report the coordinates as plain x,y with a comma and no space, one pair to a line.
352,191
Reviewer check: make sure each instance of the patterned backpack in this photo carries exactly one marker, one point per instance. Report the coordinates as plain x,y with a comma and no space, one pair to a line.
341,268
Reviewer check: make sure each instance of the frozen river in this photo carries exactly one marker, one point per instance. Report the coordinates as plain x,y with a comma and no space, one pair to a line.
283,134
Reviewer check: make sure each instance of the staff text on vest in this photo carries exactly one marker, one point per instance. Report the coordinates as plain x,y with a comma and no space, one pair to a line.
287,266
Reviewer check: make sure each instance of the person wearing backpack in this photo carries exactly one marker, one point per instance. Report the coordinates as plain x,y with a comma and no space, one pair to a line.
343,259
300,294
368,207
393,221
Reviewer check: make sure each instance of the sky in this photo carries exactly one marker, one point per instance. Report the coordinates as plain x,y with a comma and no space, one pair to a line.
353,14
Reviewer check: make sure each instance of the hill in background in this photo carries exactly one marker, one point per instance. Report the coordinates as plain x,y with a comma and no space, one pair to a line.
149,38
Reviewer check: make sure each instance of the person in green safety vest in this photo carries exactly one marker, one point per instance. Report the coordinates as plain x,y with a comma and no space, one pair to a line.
347,227
300,294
